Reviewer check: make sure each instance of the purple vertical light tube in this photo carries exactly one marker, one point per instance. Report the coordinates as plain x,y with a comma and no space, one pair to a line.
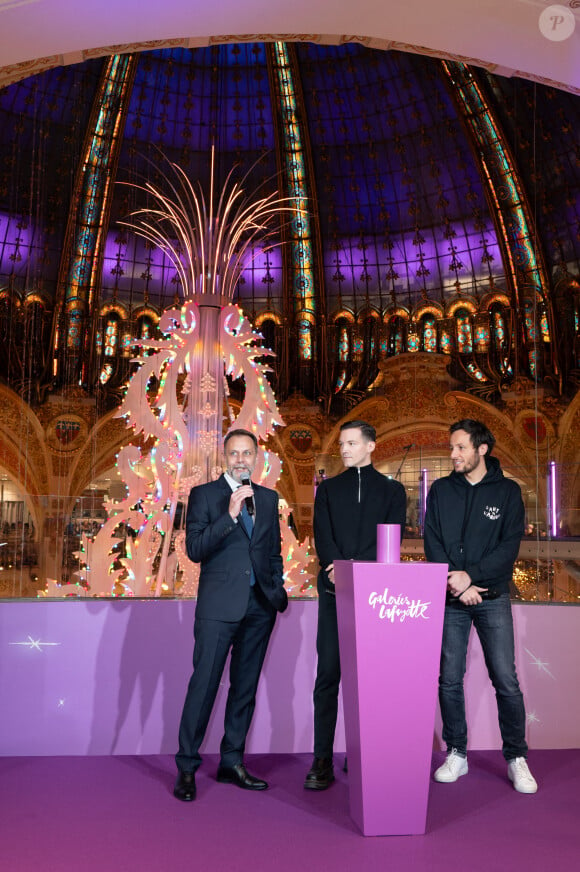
553,499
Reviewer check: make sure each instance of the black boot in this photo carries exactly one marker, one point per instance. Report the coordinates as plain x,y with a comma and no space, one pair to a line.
321,774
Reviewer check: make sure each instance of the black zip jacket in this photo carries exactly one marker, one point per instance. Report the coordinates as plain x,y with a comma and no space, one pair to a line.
477,528
347,510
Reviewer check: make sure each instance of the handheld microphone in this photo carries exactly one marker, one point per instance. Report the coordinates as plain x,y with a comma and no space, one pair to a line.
249,501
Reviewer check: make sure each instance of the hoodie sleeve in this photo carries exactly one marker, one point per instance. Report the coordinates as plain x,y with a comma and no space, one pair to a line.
498,564
432,538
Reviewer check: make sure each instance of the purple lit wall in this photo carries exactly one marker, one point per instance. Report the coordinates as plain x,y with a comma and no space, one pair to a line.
109,677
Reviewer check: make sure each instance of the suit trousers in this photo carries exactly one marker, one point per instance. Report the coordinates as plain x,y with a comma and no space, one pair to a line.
248,641
327,682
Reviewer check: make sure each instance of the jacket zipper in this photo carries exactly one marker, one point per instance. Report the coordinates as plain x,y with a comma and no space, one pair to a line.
358,470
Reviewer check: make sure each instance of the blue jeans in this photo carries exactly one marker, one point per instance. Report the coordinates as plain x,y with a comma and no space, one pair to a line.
493,623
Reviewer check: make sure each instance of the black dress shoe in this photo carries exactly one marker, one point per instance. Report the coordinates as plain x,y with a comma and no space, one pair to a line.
240,776
321,774
185,787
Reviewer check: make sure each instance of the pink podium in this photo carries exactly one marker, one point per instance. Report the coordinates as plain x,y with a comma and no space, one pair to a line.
390,621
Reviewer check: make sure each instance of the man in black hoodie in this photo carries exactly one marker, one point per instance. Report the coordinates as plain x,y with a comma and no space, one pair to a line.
474,523
347,510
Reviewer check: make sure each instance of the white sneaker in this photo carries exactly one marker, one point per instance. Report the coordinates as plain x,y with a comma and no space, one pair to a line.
521,777
454,767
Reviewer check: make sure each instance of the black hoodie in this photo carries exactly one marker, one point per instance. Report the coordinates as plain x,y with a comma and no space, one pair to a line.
477,528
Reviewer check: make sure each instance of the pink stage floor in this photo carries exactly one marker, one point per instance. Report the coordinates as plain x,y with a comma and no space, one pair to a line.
117,814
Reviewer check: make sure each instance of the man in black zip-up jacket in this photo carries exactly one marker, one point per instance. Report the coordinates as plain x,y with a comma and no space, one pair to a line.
347,510
474,523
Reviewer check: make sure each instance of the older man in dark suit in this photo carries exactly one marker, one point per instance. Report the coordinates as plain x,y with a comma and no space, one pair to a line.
233,530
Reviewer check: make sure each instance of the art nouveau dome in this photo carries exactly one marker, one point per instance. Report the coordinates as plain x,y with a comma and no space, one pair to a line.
443,211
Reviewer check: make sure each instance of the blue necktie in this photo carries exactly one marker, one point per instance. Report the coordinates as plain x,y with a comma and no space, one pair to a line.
247,520
248,523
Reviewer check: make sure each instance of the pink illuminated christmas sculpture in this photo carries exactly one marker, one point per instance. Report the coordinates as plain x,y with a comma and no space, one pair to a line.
176,398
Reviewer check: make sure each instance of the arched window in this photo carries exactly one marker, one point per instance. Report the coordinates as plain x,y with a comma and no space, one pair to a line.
35,321
464,331
481,333
498,327
532,316
413,338
499,338
108,343
396,335
530,321
4,308
304,340
544,326
446,335
371,333
342,349
342,340
428,332
145,327
268,331
269,326
111,336
106,373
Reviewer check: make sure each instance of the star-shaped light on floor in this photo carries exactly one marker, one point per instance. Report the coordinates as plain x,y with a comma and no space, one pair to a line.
541,664
35,644
532,718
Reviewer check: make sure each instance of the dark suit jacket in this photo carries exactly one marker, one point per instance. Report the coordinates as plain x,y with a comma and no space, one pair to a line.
227,554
